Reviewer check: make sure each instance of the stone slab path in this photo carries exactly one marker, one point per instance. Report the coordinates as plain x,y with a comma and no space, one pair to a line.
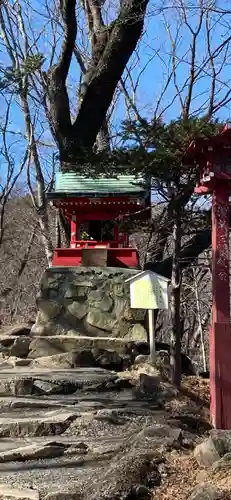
64,434
75,425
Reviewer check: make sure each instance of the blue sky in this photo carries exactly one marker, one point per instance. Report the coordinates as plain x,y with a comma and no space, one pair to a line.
152,59
155,54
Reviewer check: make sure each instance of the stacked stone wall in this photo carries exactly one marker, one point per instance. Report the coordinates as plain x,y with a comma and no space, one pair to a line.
88,301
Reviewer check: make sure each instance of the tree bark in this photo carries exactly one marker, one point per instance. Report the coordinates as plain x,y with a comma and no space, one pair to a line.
45,236
103,138
175,338
200,325
65,227
188,254
57,230
114,46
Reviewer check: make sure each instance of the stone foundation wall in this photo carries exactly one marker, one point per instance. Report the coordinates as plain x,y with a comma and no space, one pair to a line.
88,301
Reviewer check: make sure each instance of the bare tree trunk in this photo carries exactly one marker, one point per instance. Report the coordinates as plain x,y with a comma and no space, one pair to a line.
45,237
200,327
188,254
196,334
112,47
39,198
103,138
65,227
27,252
175,339
57,230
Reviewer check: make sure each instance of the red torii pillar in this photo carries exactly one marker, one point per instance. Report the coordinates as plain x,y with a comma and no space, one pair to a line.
220,330
213,157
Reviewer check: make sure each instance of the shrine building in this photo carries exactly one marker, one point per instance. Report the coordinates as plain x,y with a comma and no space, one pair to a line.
95,209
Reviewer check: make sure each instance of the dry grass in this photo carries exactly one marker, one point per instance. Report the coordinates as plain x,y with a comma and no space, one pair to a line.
198,389
180,473
191,405
179,476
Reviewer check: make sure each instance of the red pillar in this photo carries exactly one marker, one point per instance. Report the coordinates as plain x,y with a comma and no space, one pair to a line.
116,232
73,231
220,253
220,332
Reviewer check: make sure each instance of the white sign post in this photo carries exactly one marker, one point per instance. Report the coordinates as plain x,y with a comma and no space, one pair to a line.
149,290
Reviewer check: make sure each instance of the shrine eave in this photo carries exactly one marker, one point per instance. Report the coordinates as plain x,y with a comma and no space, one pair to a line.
198,146
54,195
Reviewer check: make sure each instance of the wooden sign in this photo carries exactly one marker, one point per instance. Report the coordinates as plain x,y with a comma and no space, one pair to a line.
148,290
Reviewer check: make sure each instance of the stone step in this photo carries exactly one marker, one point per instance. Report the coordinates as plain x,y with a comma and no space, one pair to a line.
56,445
22,381
62,468
51,423
42,346
67,432
49,447
66,352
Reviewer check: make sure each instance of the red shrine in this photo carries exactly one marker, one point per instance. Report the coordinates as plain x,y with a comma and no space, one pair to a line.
95,209
213,156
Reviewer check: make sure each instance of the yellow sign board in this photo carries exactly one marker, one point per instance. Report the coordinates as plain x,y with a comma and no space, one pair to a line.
149,291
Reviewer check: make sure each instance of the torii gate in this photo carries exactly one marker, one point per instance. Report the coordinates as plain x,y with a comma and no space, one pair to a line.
213,156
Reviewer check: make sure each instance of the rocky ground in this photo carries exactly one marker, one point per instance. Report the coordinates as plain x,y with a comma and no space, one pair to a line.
93,421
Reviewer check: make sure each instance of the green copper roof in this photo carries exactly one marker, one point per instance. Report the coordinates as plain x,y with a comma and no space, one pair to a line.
72,183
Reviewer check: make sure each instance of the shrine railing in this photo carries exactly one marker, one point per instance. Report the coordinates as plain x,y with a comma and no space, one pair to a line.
96,244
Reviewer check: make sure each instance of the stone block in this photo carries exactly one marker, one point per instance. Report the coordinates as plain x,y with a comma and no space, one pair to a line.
215,447
75,291
206,453
86,283
64,495
118,289
48,346
16,386
141,359
38,329
70,359
101,320
121,329
20,347
35,451
55,345
138,332
206,492
49,309
18,329
12,493
222,440
42,387
224,463
77,309
120,305
148,387
108,359
164,432
36,426
51,283
99,300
